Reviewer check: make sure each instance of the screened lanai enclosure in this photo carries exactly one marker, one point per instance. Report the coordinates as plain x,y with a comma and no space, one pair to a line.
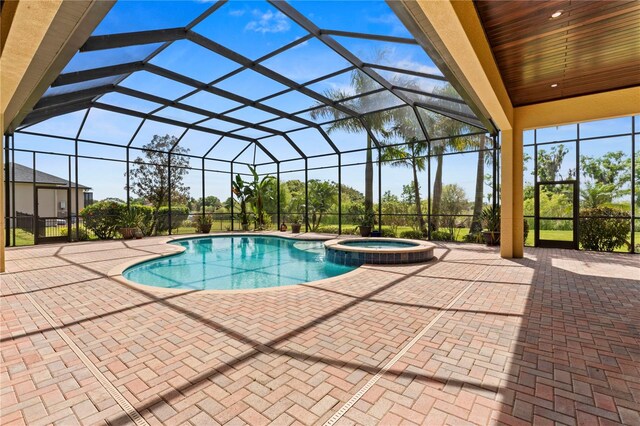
317,99
345,105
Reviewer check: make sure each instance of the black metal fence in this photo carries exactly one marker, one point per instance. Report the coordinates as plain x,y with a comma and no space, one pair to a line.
22,229
450,227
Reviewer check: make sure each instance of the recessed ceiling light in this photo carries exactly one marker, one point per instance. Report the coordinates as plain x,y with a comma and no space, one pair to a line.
556,13
554,85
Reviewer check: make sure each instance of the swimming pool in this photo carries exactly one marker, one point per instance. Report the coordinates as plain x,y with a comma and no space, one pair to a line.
237,263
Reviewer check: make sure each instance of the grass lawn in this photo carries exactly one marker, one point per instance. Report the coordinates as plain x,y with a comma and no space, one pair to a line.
23,238
550,235
217,225
568,236
348,228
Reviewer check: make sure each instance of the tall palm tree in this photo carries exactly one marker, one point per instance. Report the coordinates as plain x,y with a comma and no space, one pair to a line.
377,122
483,159
445,126
412,154
442,125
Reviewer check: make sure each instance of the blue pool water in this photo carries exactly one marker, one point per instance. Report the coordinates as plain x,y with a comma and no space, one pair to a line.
238,262
378,244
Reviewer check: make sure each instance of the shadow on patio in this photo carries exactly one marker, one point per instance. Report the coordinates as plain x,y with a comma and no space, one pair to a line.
570,341
576,356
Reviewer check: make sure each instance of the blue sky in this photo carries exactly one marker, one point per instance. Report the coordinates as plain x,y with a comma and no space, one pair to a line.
253,29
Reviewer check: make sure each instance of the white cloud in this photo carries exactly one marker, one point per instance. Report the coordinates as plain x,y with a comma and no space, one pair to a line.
304,43
399,58
424,84
408,64
391,21
268,22
385,18
237,12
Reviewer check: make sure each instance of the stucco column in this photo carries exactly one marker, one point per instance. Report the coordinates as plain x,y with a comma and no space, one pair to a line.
38,39
511,191
2,206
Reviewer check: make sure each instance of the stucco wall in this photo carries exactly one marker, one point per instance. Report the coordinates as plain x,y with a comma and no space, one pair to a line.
48,200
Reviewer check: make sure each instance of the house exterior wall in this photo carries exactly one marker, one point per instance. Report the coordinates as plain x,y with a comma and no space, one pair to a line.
48,199
24,198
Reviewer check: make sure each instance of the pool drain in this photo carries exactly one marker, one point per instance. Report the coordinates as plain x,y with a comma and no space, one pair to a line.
355,398
109,387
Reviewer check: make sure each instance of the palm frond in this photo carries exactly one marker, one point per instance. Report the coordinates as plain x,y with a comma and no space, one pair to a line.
328,112
396,156
350,125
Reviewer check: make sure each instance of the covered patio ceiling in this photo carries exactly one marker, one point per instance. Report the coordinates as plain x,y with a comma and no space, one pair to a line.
560,48
275,76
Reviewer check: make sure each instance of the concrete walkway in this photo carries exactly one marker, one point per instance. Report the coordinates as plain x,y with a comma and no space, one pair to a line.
469,338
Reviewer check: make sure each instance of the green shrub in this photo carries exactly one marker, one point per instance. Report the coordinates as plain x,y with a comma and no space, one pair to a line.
490,218
327,229
474,238
388,233
146,217
266,222
203,223
603,234
129,219
526,230
350,230
102,218
178,215
413,235
83,234
442,236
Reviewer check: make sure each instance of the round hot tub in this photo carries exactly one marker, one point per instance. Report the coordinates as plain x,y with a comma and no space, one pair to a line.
358,251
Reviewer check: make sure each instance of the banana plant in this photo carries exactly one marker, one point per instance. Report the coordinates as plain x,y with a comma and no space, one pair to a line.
259,192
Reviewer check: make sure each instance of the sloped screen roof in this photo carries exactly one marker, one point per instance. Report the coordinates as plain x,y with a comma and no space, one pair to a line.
279,76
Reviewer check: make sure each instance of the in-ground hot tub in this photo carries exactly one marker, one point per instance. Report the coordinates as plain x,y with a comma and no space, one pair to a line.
358,251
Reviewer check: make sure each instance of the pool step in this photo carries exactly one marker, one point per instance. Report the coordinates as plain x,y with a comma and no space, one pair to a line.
315,247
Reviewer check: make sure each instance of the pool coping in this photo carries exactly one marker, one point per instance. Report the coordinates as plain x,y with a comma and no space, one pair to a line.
116,272
418,247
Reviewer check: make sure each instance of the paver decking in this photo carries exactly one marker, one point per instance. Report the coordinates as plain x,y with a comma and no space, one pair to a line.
553,337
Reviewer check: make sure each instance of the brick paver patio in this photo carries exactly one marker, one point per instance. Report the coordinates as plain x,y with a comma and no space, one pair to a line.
469,338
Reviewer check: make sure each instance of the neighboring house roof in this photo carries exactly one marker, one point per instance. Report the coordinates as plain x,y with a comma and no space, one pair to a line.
24,174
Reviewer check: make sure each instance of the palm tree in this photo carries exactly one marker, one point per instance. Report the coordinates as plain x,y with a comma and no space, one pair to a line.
483,159
446,126
377,122
595,195
412,155
242,191
442,125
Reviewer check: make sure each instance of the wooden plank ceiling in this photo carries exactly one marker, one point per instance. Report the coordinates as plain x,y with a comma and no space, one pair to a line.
593,46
